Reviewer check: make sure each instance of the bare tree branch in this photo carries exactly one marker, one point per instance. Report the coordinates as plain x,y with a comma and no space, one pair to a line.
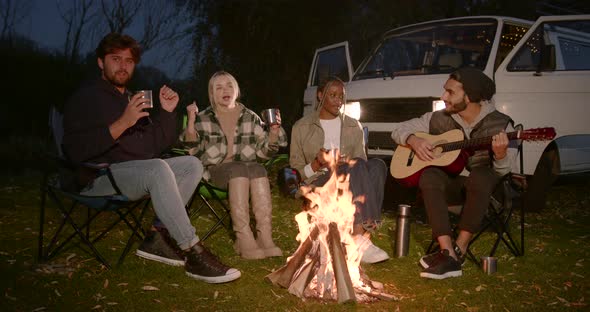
12,12
120,14
76,17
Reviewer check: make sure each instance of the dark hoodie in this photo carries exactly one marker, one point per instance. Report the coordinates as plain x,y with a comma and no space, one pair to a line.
88,115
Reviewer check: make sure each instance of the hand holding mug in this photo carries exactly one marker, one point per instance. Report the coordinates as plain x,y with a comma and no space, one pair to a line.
135,109
271,117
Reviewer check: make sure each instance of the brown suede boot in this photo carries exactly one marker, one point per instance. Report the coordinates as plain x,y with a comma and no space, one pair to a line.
262,207
245,245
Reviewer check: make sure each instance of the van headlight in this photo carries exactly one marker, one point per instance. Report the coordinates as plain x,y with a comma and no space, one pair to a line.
352,109
438,105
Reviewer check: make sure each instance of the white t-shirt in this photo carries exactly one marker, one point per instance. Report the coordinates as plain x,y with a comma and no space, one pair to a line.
332,128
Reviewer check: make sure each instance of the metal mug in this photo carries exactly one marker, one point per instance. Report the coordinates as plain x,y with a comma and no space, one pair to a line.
269,116
147,94
489,265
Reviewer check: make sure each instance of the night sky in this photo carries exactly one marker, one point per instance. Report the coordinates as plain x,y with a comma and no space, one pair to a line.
45,26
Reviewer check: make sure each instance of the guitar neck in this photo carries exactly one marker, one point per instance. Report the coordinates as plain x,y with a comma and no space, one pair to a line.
477,142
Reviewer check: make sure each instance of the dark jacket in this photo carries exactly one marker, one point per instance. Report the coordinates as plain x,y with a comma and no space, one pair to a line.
87,117
490,125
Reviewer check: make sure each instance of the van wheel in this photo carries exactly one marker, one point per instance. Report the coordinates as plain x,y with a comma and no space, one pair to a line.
545,175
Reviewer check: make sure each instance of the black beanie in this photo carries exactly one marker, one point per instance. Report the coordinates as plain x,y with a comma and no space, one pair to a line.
476,84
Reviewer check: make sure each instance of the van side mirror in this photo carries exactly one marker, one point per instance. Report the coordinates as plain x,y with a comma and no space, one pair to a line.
547,58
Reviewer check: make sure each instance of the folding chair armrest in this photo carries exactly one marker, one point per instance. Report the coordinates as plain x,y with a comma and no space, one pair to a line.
95,166
275,159
518,181
86,170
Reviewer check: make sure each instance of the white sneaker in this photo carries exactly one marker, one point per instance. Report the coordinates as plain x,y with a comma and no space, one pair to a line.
372,253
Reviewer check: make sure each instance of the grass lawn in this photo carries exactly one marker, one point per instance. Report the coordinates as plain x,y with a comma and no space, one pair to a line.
550,277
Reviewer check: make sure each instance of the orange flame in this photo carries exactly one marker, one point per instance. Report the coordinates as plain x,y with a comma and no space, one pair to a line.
332,202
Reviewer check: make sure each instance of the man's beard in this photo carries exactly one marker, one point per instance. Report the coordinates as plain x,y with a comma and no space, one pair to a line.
456,108
117,80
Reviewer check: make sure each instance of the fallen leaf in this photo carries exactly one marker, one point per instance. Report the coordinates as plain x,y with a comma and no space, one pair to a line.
122,284
215,295
576,274
106,283
150,288
70,257
96,307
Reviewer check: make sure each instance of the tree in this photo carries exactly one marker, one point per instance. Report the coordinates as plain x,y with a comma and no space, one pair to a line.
12,12
164,23
78,17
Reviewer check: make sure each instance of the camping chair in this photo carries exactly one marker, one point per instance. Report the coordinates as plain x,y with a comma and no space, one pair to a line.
208,195
74,220
507,198
216,199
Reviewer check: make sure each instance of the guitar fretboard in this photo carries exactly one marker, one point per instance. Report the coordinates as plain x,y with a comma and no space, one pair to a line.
477,142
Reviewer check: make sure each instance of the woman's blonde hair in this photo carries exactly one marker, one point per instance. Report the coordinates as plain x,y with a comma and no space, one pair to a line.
231,78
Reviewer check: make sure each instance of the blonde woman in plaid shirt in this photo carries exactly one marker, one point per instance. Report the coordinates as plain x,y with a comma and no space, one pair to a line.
230,138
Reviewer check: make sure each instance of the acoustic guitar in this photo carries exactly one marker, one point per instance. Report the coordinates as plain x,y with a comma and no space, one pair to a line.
450,152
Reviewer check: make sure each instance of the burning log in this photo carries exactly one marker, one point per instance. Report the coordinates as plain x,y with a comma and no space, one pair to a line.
304,276
343,281
327,263
283,276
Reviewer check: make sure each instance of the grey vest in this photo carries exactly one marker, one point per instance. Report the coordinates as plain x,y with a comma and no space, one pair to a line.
490,125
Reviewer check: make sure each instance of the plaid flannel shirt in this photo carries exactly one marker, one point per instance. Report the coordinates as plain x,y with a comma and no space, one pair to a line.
251,142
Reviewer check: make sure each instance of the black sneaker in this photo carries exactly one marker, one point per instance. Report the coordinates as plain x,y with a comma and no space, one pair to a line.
444,266
159,246
427,260
201,264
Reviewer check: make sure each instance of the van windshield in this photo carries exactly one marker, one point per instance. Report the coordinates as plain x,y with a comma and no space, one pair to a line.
433,48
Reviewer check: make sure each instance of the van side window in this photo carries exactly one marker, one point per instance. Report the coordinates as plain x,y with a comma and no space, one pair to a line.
331,62
511,35
555,46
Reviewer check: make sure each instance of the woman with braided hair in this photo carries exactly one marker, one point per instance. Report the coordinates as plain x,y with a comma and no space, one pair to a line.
314,135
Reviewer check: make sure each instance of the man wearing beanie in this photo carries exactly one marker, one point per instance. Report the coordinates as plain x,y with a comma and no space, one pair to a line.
467,94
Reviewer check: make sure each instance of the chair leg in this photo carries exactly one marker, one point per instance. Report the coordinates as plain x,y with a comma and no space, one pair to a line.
220,218
78,230
522,224
135,231
42,219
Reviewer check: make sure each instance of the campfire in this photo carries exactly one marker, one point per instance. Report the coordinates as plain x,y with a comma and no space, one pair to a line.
326,264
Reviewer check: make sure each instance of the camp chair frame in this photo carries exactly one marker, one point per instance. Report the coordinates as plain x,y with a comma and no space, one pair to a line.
73,221
508,196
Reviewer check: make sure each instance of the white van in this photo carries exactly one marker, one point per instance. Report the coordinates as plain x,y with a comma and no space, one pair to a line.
541,70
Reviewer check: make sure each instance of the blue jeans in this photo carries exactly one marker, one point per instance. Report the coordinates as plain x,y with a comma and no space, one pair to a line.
170,184
367,177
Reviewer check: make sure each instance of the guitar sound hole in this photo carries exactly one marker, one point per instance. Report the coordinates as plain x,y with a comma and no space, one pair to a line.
437,151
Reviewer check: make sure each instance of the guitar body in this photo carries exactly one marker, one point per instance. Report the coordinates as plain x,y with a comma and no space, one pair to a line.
407,167
450,152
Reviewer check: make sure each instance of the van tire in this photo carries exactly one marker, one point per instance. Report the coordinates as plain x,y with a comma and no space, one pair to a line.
547,171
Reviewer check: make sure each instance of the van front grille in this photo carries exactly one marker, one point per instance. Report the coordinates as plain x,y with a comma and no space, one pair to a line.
391,110
394,110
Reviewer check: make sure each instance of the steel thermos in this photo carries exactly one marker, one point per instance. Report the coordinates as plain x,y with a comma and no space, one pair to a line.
402,231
